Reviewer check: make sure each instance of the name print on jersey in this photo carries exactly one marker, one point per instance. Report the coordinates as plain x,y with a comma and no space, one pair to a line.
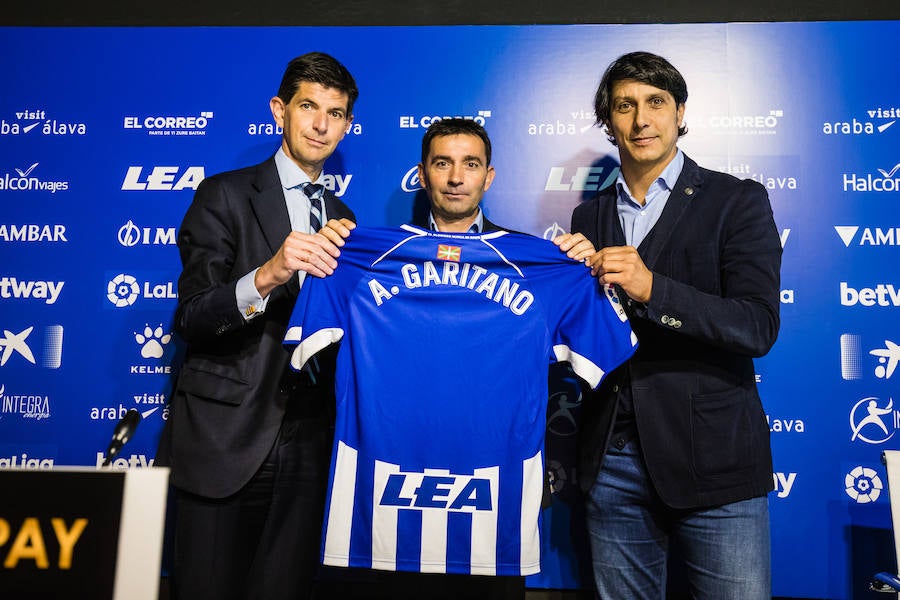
493,286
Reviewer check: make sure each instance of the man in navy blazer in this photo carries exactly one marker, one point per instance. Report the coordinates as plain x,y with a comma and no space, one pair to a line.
674,446
248,440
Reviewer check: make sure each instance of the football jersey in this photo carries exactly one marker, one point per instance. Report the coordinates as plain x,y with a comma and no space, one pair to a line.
442,391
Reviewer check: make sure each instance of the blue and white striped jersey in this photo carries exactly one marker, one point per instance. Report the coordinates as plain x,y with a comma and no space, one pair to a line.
442,391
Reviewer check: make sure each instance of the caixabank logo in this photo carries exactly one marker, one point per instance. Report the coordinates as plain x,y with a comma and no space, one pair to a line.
124,290
871,121
36,121
21,347
870,359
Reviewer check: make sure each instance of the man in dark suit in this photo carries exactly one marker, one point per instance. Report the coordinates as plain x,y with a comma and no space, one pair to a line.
248,440
675,451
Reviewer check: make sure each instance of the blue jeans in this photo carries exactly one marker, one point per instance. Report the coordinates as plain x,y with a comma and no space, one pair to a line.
722,551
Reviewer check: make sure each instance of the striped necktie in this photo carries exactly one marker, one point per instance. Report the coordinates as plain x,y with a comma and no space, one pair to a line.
314,192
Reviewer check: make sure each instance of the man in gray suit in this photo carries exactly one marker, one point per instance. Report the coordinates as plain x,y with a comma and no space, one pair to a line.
248,440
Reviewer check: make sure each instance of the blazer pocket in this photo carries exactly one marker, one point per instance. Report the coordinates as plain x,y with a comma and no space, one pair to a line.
721,434
213,381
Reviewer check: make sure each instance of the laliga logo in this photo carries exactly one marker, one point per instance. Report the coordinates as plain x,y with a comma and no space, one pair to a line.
863,485
411,181
871,416
123,290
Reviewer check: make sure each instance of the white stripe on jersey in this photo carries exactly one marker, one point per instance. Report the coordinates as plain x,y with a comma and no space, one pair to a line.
340,512
583,367
484,529
433,558
384,521
532,479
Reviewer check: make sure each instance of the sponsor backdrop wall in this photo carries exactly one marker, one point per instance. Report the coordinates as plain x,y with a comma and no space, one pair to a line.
105,134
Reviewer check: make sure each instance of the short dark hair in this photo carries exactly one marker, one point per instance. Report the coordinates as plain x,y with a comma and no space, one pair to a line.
455,126
318,67
643,67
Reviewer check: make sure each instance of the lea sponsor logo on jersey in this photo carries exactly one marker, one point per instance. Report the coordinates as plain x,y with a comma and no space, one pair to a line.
439,490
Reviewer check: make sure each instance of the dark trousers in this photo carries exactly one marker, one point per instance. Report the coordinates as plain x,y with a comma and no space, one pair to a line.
262,542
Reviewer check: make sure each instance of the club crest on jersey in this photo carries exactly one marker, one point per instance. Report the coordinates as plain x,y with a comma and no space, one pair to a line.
445,491
447,252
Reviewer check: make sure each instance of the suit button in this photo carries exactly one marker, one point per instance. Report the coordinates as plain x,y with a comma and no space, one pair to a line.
665,319
620,443
616,388
676,324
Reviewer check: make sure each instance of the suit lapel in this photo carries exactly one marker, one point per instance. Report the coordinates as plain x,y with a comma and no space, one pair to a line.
687,187
609,227
269,206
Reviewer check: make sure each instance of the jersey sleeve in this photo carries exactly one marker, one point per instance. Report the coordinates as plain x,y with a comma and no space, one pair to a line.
588,325
319,316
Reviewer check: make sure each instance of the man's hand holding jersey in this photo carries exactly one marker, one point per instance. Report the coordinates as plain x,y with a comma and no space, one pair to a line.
315,254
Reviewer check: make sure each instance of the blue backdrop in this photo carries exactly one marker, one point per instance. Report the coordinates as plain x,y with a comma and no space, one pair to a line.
105,134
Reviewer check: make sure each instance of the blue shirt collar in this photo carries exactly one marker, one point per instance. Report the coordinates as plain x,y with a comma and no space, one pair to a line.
477,225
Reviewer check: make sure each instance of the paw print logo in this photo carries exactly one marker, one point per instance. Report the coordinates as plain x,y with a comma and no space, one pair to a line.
152,341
